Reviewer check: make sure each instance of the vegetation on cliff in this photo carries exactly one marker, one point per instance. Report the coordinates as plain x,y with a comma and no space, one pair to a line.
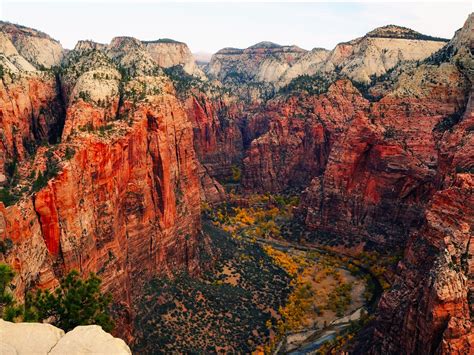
224,310
75,302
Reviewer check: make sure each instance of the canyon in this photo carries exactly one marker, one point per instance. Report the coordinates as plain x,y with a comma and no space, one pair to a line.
110,151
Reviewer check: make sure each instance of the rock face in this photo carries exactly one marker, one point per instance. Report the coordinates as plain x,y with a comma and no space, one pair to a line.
381,172
123,196
308,64
119,193
168,53
298,137
39,338
264,61
379,51
36,47
428,309
430,306
218,139
30,108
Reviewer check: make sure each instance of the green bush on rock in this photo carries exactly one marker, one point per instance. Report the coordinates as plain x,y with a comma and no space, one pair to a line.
75,302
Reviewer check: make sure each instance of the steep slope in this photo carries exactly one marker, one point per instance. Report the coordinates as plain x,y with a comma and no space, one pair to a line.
298,135
31,110
379,51
381,172
36,47
120,194
429,308
251,73
168,53
266,66
264,61
307,64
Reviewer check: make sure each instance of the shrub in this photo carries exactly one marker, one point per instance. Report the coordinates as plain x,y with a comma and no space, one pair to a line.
390,132
7,197
69,153
51,171
314,85
85,96
236,173
5,245
75,302
448,122
6,277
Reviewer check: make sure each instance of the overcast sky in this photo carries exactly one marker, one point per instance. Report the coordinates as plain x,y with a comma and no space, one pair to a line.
210,26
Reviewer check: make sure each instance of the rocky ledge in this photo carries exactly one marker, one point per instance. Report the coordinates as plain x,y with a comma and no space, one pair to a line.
40,338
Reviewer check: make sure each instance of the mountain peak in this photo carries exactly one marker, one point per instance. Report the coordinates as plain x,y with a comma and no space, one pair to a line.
400,32
163,40
266,44
15,30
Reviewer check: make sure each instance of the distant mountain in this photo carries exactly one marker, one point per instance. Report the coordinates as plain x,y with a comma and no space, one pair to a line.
373,54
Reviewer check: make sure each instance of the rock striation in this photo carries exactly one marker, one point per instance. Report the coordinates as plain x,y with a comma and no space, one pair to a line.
122,190
36,47
377,135
264,61
169,53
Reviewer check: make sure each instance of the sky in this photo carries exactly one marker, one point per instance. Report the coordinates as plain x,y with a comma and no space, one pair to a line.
210,26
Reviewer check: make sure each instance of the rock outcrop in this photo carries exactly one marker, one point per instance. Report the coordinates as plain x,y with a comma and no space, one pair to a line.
264,61
381,172
123,196
218,139
297,137
31,110
42,339
266,67
379,51
36,47
388,162
430,306
308,64
169,53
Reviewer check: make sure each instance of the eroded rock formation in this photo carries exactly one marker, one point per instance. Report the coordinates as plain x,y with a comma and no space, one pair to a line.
123,196
380,145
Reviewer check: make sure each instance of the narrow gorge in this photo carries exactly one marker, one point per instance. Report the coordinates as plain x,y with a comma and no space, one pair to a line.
272,200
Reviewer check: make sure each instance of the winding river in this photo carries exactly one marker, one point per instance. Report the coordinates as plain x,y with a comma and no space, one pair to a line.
312,339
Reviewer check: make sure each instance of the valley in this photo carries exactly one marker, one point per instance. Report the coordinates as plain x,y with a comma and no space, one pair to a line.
261,293
274,200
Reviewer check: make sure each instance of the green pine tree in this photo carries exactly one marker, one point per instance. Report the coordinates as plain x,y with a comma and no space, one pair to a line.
8,309
75,302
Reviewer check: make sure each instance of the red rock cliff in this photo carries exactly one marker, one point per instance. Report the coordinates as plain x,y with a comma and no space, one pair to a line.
125,203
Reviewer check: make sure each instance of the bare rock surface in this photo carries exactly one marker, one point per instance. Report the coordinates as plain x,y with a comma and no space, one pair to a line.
168,53
28,338
37,47
41,338
90,339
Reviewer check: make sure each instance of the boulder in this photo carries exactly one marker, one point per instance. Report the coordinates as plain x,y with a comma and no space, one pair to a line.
90,339
28,338
41,338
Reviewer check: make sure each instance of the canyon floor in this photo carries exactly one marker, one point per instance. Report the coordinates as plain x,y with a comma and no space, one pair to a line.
274,199
262,291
